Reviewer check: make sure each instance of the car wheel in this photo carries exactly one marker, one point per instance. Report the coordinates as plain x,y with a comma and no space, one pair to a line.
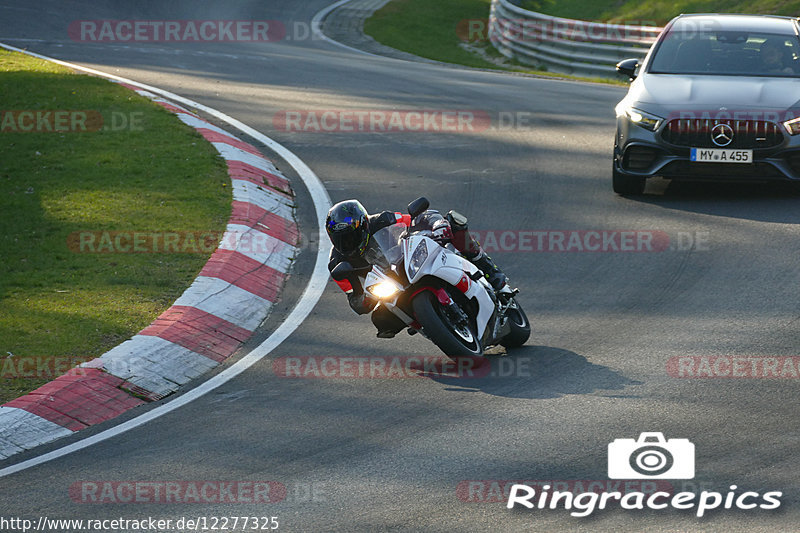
627,185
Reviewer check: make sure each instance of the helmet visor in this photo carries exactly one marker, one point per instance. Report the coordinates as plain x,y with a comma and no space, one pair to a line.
351,241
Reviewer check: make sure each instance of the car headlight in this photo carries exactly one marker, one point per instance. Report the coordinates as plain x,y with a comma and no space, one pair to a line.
384,289
642,119
418,259
792,126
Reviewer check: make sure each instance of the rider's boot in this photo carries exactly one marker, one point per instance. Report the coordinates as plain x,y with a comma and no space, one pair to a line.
472,250
495,276
386,322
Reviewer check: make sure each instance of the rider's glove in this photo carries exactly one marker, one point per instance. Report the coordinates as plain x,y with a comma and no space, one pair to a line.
362,303
442,232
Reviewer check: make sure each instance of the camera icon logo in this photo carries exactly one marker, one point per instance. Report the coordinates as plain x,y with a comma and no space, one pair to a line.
651,457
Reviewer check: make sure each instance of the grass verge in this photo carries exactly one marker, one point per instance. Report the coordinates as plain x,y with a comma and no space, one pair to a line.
428,29
438,30
142,171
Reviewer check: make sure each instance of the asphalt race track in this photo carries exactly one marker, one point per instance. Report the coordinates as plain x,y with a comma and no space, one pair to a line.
720,277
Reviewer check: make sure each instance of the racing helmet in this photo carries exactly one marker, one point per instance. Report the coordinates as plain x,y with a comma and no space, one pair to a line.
348,228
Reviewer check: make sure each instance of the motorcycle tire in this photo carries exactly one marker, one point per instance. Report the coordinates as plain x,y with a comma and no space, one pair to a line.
520,327
439,329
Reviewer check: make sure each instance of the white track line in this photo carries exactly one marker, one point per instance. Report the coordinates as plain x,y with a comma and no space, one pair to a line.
308,300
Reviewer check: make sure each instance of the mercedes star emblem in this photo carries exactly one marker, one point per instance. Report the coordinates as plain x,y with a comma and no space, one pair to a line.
721,134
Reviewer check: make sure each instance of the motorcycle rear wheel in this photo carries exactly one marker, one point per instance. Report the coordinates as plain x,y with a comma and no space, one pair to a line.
520,327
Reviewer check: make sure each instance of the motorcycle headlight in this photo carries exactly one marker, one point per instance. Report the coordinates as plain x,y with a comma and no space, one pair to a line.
642,119
792,126
384,289
417,259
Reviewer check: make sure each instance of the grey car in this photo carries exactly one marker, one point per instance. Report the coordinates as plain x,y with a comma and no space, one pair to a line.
716,98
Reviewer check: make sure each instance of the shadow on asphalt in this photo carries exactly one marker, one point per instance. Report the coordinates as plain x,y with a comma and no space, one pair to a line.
764,202
538,372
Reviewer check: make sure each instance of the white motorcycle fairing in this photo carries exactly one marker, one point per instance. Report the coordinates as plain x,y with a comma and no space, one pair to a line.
451,268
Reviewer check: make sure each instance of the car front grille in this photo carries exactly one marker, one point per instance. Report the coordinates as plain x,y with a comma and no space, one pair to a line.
696,133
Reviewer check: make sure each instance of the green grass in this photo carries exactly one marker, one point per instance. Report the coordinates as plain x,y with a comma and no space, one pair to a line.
428,29
160,176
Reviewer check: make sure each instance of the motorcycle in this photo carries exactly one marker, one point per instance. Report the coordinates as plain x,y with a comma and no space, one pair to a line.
437,292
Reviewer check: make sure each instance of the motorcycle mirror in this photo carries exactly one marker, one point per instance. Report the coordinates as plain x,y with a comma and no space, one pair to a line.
342,271
418,206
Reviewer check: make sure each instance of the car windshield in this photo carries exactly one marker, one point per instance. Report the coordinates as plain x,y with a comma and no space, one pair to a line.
727,53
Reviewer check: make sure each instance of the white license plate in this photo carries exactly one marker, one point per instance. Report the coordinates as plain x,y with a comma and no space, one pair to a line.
721,155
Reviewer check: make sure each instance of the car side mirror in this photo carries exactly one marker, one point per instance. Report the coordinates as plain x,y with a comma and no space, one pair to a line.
418,206
342,271
627,67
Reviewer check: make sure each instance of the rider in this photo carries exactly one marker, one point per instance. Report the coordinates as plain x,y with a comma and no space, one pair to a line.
350,227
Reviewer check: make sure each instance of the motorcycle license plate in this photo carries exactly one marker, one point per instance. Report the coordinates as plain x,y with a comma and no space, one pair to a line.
720,155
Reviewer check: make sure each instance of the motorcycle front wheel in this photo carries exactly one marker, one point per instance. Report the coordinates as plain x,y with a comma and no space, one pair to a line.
455,340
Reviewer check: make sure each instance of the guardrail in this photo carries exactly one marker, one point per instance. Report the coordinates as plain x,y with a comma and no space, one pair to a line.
565,45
